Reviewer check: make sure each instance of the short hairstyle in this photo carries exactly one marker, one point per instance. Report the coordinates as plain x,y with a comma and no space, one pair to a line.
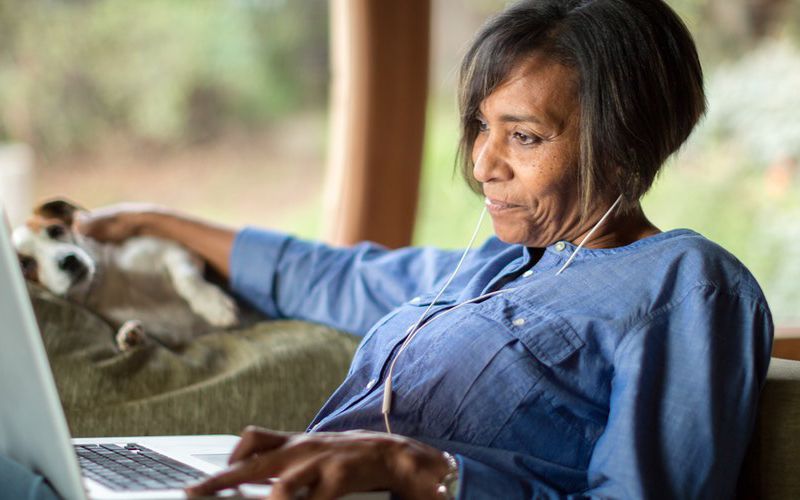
640,84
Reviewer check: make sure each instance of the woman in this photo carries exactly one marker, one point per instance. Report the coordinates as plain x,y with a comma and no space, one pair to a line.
581,352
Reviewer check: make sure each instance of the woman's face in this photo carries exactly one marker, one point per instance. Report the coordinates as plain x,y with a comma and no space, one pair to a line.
526,154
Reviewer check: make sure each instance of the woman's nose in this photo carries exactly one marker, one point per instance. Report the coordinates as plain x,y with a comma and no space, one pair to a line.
489,163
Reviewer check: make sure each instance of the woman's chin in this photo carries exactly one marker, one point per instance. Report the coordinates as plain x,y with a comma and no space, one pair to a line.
512,235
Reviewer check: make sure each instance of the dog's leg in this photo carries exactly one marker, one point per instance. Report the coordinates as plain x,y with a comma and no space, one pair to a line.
130,334
205,299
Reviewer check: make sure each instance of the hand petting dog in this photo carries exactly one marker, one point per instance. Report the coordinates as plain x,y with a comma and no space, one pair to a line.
112,263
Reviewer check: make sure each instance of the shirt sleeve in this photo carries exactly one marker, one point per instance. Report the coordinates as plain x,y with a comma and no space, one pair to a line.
684,399
346,288
683,404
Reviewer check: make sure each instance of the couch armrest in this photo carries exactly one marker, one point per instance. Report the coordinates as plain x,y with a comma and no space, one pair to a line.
770,468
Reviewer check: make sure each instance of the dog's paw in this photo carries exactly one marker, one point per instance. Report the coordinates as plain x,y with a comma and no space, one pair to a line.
217,308
130,334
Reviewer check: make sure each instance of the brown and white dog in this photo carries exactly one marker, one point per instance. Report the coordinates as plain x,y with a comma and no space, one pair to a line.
143,287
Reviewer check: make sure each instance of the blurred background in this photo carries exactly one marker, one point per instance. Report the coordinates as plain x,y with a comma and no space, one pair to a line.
220,108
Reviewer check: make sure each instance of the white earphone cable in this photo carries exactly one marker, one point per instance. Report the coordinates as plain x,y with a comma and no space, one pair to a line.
589,235
386,407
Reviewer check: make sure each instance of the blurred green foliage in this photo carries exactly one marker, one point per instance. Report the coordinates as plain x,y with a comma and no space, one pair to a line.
76,73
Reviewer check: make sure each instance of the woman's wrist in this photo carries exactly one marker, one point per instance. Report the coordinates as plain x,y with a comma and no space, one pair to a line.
420,470
449,486
152,222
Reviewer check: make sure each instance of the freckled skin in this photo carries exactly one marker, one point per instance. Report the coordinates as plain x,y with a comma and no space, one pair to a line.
527,154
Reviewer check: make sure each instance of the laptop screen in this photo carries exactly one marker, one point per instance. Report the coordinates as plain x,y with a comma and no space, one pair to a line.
33,430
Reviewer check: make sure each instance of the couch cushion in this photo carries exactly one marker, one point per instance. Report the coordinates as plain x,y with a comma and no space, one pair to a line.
276,374
770,468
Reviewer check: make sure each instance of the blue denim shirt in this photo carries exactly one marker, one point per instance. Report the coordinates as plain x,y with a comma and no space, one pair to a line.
633,374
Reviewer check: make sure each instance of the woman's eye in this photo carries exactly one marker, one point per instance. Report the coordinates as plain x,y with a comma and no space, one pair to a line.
525,139
482,125
55,231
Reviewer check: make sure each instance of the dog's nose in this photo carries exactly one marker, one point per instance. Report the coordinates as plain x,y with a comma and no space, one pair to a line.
71,264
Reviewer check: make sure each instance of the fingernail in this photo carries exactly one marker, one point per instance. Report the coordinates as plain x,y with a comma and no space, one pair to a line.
193,490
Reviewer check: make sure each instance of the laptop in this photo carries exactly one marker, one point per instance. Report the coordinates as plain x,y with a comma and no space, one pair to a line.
33,429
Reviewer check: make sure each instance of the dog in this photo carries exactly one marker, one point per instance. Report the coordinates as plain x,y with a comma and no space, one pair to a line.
145,288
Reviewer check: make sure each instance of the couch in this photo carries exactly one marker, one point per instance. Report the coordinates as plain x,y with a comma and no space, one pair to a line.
276,374
772,465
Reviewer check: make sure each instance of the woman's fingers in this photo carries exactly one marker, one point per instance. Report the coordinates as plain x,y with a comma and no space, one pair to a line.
326,476
337,479
257,440
295,480
252,470
114,223
326,466
256,457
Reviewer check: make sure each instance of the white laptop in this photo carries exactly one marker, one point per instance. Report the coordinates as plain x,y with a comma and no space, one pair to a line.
33,430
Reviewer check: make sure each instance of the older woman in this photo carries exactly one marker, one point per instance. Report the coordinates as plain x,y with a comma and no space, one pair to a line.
581,352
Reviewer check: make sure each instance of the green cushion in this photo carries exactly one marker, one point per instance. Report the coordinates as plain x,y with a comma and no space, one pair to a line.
276,374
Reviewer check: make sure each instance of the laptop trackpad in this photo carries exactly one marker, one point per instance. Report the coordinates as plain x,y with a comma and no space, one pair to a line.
218,459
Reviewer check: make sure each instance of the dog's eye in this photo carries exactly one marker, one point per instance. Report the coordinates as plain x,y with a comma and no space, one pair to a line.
55,231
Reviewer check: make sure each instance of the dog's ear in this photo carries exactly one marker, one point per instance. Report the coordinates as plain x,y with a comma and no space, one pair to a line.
59,208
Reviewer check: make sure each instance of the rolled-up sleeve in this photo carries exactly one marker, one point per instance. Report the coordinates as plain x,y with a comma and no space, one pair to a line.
346,288
254,263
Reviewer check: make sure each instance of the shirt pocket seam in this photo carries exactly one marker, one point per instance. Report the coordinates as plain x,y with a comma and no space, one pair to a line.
550,349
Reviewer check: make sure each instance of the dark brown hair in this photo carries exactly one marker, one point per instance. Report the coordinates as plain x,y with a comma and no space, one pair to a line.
640,84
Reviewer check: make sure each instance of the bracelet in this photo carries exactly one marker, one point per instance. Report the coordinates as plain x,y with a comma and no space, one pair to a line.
449,486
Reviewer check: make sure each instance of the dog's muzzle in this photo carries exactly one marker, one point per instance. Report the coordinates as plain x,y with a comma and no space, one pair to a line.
73,266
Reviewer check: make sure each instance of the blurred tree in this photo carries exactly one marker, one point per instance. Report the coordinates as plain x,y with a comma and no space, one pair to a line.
76,74
741,24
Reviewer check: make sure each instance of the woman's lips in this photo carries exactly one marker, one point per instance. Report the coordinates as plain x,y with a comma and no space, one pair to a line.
496,206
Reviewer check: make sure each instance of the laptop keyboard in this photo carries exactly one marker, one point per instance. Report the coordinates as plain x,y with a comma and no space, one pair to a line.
133,467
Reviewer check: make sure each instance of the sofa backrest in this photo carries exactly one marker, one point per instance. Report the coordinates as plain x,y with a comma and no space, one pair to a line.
772,466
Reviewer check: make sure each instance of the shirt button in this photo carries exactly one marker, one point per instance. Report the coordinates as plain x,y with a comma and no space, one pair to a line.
560,246
527,274
415,300
518,322
372,383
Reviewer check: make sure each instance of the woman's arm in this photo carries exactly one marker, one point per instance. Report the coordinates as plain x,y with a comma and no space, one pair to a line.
213,242
346,288
285,277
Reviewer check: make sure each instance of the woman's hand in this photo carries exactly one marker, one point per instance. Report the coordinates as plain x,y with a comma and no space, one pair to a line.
116,223
329,465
